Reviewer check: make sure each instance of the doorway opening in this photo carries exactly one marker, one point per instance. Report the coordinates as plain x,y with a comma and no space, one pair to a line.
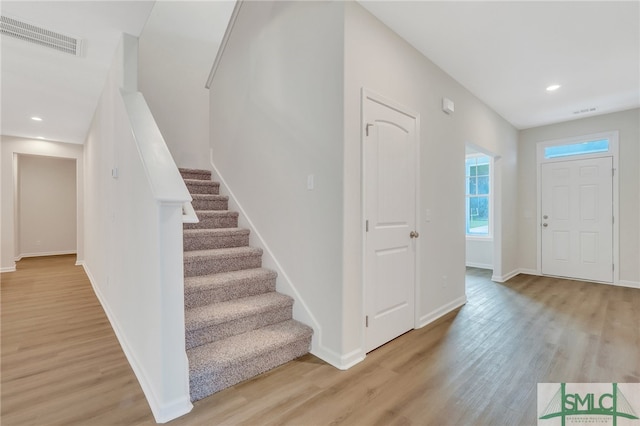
45,206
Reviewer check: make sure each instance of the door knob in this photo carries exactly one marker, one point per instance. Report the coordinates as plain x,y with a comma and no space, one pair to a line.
545,225
545,217
414,234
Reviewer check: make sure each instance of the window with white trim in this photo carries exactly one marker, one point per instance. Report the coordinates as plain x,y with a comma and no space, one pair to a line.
478,195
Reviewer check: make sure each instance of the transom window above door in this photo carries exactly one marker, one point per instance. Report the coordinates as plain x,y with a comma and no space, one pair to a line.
580,148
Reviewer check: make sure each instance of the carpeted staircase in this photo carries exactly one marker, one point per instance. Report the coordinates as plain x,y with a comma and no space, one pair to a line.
237,325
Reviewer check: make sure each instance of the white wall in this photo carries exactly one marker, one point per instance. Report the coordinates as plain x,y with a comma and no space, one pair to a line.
479,253
277,117
11,147
134,238
47,205
176,51
628,125
378,59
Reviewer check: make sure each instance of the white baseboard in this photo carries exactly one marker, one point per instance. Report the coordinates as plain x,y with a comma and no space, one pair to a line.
632,284
505,277
161,412
8,269
479,265
46,253
622,283
341,362
79,262
434,315
528,271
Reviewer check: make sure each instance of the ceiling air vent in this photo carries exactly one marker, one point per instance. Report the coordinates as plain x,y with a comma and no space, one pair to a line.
585,110
33,34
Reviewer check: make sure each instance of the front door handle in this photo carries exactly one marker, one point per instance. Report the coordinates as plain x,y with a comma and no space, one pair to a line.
414,234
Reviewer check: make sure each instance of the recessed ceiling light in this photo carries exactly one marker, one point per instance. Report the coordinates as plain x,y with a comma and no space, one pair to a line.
553,87
40,137
36,118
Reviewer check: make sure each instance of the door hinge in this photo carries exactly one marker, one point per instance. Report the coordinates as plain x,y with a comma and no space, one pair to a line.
613,172
366,225
613,267
366,321
366,128
613,220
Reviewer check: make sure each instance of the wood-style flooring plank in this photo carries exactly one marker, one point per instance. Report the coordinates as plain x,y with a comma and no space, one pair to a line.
479,365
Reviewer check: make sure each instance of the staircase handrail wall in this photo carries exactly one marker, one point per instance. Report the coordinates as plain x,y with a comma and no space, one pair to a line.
223,43
134,237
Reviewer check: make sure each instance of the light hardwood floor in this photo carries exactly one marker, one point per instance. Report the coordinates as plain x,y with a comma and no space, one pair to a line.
479,365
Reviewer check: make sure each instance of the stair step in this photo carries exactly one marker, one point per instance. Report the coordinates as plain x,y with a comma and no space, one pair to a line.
213,261
214,288
214,219
218,365
203,239
206,324
209,202
199,186
195,174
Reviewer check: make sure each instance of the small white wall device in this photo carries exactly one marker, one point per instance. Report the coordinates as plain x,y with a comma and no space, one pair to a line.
447,105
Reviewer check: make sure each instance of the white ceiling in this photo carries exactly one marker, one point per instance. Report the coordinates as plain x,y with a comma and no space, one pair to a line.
60,88
506,53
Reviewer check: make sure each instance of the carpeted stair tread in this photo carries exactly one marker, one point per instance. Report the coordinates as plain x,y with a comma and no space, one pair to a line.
195,174
201,239
219,313
214,288
203,233
226,279
204,262
222,253
214,219
224,363
207,359
212,197
200,186
209,202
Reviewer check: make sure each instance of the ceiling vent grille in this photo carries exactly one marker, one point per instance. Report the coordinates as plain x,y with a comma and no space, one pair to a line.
40,36
585,110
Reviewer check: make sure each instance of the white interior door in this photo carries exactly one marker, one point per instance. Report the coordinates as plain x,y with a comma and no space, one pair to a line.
577,219
390,151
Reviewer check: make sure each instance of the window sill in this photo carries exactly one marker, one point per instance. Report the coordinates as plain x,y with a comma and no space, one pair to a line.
488,238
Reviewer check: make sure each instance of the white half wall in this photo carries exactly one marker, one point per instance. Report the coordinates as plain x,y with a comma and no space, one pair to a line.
628,125
46,205
134,255
11,148
378,59
176,50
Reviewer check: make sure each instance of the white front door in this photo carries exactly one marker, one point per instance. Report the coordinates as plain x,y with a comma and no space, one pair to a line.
577,219
390,159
